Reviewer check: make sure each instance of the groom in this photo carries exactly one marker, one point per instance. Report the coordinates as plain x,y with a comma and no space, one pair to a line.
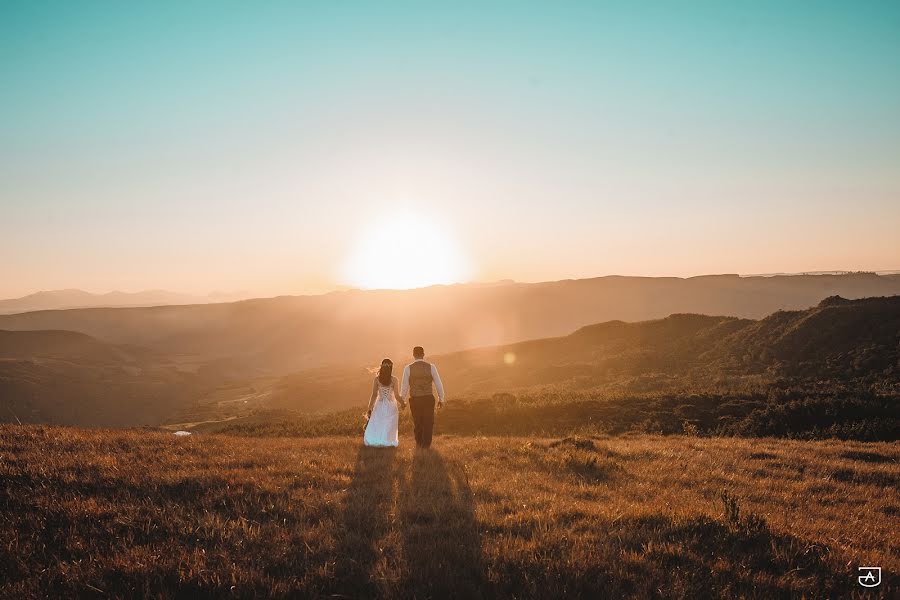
417,379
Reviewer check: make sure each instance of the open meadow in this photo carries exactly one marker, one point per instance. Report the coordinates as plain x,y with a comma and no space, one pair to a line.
104,513
633,266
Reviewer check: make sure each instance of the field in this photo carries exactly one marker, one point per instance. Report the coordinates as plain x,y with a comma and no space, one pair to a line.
102,513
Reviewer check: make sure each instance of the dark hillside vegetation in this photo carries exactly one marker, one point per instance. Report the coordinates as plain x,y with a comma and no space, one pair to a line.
786,413
838,339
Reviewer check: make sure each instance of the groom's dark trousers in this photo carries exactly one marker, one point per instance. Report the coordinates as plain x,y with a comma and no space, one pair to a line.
422,409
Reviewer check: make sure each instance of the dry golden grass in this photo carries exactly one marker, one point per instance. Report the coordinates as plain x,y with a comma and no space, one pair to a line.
129,513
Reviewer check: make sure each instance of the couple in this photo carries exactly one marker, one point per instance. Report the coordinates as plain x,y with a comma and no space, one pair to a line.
386,401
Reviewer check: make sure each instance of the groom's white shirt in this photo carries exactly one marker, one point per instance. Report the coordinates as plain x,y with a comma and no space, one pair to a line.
404,383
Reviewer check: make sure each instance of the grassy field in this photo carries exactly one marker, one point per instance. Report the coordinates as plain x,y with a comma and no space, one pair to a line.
99,513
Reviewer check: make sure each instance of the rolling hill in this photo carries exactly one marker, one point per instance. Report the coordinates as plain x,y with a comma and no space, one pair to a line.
277,336
71,378
838,340
60,345
65,299
68,377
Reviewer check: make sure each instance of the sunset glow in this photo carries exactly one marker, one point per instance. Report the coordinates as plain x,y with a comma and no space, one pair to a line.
258,153
402,252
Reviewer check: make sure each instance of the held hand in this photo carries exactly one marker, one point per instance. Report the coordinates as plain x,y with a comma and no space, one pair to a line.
440,404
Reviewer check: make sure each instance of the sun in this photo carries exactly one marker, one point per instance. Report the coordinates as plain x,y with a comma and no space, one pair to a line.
402,252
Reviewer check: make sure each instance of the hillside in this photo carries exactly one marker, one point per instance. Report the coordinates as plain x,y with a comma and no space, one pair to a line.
62,345
839,340
71,378
146,514
281,335
65,299
725,368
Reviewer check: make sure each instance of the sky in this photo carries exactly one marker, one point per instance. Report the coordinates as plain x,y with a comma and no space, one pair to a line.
298,147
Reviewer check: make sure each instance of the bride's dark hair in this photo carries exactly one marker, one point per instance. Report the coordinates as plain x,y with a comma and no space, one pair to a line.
384,373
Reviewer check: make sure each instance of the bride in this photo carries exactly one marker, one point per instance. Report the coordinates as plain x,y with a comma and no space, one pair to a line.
383,412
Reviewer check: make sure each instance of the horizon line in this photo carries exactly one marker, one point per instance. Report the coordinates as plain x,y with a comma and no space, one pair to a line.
244,295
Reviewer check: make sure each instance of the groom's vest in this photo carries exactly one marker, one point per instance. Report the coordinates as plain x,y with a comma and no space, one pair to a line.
420,379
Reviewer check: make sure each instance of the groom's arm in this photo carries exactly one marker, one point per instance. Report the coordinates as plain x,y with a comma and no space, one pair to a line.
404,383
437,383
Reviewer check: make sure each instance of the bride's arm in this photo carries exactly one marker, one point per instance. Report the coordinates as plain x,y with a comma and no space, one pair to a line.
374,395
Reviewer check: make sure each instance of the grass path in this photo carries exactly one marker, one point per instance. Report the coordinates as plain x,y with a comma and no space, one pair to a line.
124,513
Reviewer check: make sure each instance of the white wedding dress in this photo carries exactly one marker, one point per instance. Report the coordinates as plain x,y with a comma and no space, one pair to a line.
381,431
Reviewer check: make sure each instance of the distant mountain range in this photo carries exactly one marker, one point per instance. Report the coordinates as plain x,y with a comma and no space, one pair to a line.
71,378
66,299
277,336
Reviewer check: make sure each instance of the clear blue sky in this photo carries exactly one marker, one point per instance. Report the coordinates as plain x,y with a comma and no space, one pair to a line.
198,146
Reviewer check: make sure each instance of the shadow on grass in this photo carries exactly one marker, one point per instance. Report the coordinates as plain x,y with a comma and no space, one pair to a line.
364,521
441,545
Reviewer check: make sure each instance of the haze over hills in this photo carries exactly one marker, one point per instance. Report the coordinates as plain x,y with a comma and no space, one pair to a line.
70,378
838,340
276,336
64,299
57,345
